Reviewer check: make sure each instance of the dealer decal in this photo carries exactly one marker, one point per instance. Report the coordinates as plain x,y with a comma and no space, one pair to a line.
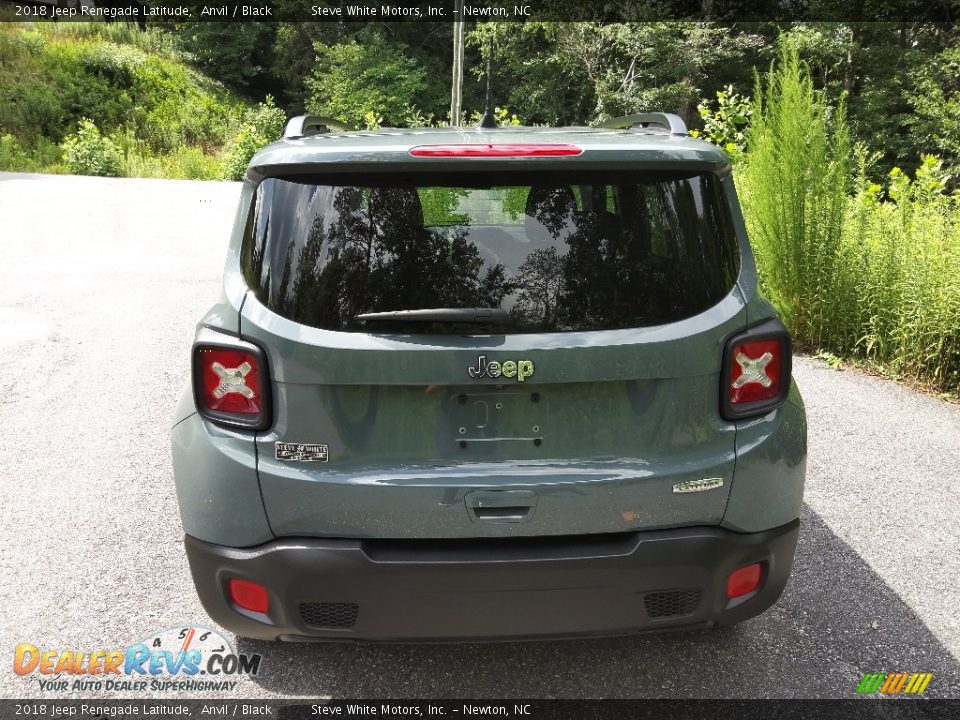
301,452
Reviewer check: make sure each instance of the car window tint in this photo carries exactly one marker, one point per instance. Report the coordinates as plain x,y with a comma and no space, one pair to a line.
559,252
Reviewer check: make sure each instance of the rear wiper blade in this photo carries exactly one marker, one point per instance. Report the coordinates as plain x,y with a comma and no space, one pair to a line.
494,316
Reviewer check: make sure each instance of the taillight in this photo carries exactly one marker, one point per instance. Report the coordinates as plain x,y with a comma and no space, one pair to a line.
498,150
230,381
756,370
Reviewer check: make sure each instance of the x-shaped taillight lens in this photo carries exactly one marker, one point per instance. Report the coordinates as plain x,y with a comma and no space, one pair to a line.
230,384
233,380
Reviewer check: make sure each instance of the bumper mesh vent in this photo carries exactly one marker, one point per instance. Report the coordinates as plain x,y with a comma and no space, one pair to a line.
329,615
671,602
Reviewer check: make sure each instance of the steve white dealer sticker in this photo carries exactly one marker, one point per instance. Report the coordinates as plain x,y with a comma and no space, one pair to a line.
301,452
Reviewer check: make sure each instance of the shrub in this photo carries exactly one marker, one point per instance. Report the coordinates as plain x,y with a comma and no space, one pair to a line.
174,109
77,84
795,184
905,267
857,269
261,125
89,153
182,163
61,73
192,163
151,40
726,126
12,156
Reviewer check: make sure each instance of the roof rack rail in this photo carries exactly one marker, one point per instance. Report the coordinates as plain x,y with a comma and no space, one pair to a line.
304,125
668,121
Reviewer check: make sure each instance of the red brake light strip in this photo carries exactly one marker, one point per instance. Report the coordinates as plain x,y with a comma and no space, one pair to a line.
491,150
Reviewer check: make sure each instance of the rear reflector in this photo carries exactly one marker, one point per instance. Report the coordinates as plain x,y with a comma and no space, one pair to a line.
744,580
249,595
230,381
490,150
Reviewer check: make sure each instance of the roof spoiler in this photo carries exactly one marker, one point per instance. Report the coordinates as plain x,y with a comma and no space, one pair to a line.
305,125
673,124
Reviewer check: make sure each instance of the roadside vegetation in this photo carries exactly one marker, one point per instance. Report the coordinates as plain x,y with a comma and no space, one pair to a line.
108,99
860,269
846,136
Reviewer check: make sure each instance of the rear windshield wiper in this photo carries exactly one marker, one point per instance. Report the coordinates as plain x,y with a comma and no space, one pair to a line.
494,316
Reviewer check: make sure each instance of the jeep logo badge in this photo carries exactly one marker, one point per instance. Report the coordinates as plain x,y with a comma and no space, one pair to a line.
519,369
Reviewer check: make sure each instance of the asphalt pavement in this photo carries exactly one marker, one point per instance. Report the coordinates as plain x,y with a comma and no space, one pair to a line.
101,284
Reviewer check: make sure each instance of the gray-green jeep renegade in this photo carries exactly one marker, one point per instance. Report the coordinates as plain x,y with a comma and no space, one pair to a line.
489,384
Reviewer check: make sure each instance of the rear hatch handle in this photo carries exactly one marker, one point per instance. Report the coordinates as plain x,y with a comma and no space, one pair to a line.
501,506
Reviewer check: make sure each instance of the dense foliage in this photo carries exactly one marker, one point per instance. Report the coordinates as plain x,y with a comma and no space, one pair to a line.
107,99
900,80
368,74
858,268
261,125
89,153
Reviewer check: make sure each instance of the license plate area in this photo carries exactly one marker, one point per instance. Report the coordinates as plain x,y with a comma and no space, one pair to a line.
498,416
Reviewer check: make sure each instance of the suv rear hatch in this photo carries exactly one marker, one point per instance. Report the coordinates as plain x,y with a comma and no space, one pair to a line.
566,380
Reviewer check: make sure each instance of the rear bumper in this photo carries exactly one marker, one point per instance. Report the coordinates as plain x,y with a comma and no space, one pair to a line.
524,588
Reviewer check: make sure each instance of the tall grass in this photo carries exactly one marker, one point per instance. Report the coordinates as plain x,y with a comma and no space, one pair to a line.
856,268
151,40
905,275
795,191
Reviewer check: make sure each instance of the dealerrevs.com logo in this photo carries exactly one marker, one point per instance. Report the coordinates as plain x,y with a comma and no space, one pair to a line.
181,659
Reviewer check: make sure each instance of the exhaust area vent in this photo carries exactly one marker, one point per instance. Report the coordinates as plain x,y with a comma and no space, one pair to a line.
329,615
671,603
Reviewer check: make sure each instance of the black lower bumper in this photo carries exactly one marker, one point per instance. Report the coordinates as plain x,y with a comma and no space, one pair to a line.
438,590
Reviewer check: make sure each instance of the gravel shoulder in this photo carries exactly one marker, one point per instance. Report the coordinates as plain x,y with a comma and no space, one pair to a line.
884,473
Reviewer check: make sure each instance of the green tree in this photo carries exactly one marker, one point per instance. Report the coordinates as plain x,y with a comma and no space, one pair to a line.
531,74
261,125
369,74
936,104
576,73
240,55
896,81
727,125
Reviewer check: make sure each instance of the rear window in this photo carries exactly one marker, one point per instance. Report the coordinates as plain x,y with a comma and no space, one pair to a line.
591,251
